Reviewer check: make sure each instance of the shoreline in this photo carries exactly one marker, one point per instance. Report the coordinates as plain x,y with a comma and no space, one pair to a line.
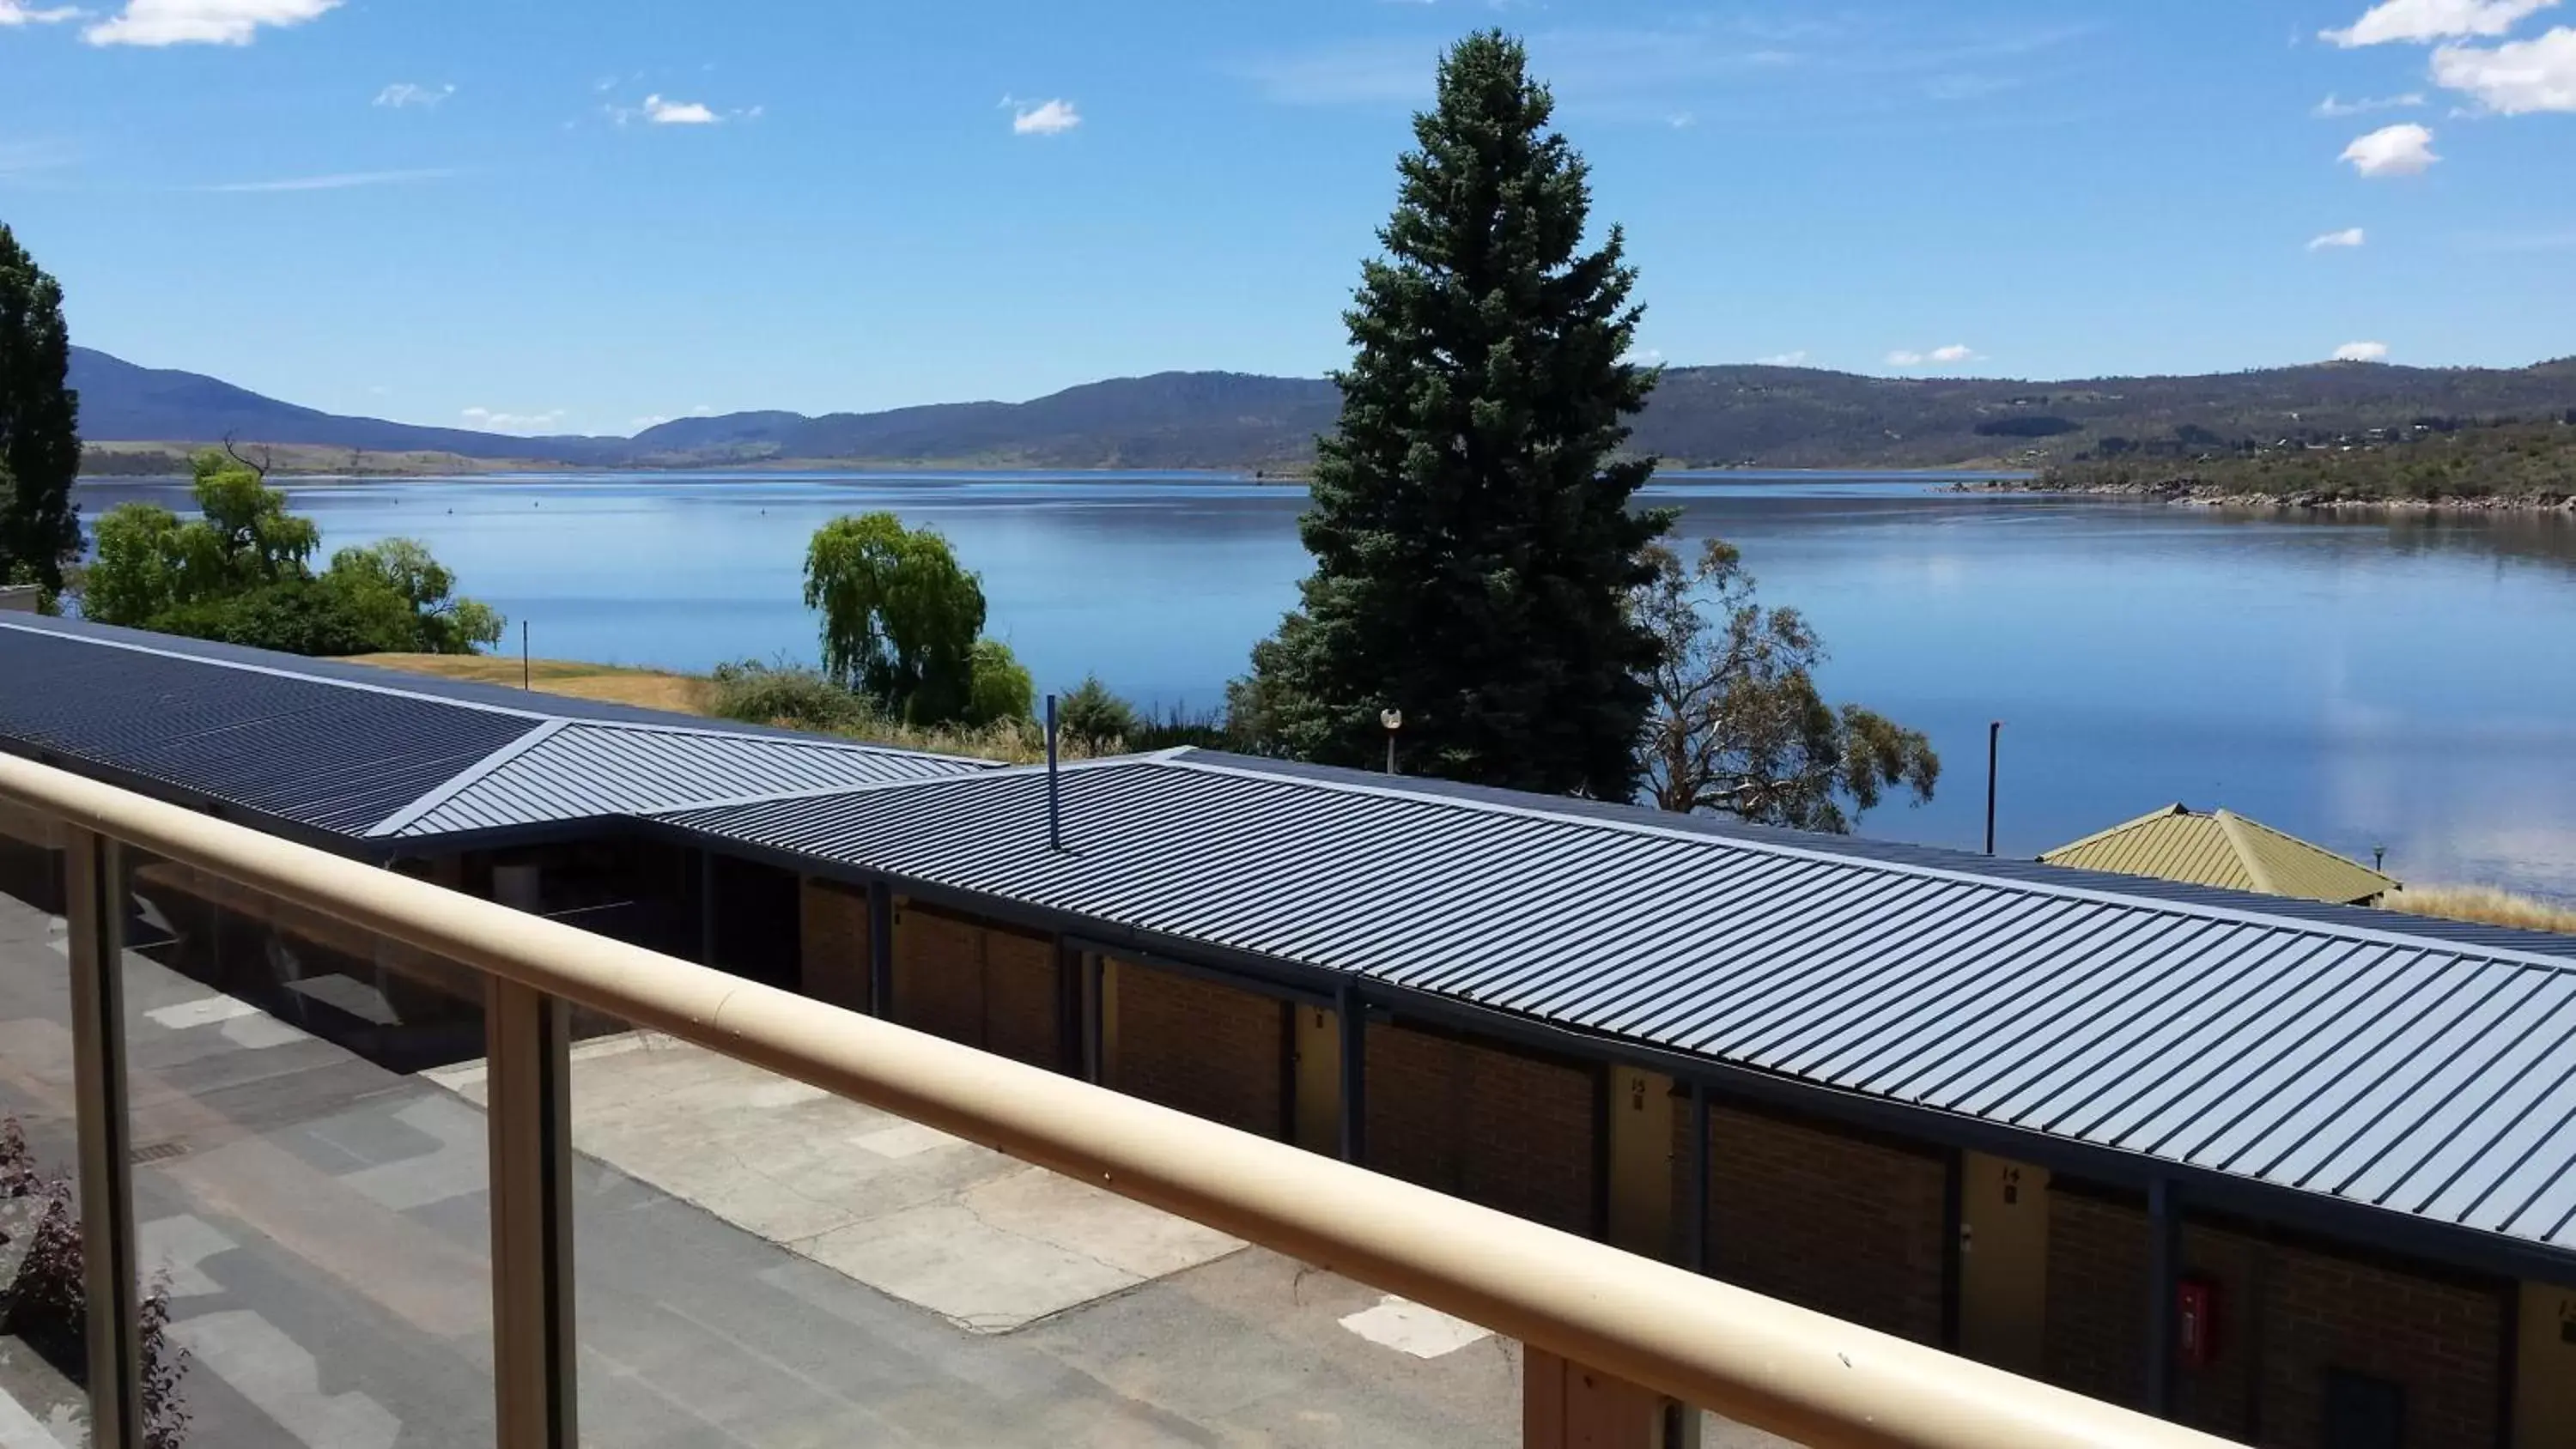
2207,495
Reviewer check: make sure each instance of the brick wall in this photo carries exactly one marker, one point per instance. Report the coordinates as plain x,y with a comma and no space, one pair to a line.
1205,1049
938,974
1817,1218
1022,1011
2288,1312
834,920
985,985
1509,1131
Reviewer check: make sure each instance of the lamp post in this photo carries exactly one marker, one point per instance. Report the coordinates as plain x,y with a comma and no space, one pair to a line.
1393,719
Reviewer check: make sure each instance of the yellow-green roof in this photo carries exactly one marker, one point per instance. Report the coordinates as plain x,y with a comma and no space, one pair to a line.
2222,849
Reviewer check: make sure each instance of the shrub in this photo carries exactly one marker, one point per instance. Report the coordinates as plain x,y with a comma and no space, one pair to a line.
785,694
1096,717
47,1304
1175,726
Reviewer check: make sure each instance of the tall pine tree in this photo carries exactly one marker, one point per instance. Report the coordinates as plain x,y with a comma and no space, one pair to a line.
39,425
1474,546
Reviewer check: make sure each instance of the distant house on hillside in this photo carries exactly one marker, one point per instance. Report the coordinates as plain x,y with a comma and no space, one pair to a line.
2227,850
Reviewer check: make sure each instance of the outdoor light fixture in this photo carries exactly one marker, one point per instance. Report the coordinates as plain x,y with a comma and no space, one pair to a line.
1393,719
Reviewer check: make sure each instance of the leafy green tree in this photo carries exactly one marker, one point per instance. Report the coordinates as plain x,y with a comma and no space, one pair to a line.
408,591
900,616
1000,688
241,572
1738,726
1474,545
39,425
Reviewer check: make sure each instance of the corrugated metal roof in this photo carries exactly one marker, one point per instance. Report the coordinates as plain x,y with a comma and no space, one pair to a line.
578,769
2361,1058
2222,849
365,752
320,754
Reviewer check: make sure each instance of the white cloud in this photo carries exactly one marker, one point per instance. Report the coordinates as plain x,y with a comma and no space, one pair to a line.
2332,107
2402,150
1956,352
2362,352
2514,79
1784,359
200,22
513,422
13,12
1048,118
2421,20
404,93
18,156
2350,236
654,420
1681,120
664,112
340,182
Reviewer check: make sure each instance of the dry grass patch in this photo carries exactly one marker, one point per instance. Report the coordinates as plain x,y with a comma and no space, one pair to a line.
616,684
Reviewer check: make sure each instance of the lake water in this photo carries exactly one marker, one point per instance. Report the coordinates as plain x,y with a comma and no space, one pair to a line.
2406,683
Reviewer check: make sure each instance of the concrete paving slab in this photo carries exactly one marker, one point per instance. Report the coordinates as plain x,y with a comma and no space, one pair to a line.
1079,1218
929,1218
946,1258
907,1139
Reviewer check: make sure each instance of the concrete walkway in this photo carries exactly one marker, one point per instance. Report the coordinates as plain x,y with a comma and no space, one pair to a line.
982,1240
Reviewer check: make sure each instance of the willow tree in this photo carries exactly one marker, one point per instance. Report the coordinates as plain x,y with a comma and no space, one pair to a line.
1472,532
901,624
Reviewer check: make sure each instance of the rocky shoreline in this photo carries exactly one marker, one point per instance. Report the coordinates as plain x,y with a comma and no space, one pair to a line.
2211,495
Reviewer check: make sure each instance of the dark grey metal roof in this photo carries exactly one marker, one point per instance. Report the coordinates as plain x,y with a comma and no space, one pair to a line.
354,751
314,753
576,769
2360,1056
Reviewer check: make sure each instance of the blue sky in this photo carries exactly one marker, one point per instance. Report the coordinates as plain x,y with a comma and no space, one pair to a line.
577,215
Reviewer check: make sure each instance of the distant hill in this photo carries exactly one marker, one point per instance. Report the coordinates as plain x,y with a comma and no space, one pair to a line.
120,402
1792,417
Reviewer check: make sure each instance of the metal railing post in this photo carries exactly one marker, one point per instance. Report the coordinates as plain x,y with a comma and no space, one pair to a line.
94,907
2164,1268
881,949
706,907
1350,1018
1697,1241
528,1115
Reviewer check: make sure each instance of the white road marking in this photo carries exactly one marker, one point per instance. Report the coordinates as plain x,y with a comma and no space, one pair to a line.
1408,1327
205,1011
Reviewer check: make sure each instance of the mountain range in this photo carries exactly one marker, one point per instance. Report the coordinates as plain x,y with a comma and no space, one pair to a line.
1786,417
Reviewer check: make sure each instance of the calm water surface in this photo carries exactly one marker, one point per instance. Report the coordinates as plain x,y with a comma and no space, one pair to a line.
2408,684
